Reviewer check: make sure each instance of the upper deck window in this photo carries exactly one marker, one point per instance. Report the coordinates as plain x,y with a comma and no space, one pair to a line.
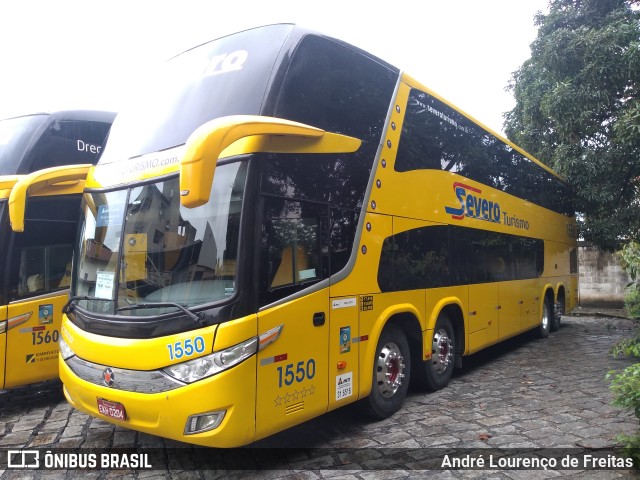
435,136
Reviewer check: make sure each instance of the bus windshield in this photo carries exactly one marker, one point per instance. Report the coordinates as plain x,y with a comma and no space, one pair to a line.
170,254
15,134
227,76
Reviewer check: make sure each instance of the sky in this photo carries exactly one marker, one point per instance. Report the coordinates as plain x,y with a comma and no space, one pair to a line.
88,53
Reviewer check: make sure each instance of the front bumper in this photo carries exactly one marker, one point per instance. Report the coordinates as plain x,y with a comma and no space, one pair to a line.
165,414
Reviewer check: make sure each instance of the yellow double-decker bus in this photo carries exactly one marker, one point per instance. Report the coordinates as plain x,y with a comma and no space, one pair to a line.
44,159
286,224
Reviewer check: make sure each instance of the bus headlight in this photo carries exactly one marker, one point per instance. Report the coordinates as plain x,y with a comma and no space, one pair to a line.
203,367
65,350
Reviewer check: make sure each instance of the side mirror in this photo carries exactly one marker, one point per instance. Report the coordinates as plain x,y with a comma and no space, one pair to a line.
6,184
204,146
57,180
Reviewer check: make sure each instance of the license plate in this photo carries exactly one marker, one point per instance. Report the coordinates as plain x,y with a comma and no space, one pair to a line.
111,409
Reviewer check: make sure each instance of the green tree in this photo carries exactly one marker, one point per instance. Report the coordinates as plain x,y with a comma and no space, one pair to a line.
578,110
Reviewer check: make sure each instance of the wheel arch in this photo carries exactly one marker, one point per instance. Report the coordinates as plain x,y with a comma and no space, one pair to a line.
408,319
452,307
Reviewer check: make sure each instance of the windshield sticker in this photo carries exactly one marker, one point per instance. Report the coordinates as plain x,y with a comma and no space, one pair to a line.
307,274
104,285
109,215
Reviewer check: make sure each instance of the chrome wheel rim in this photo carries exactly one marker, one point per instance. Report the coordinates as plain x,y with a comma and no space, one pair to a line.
442,351
390,370
546,318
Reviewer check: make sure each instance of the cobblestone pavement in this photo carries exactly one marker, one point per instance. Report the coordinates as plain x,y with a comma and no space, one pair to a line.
523,394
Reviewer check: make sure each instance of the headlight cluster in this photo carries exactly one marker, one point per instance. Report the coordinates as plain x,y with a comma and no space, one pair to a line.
65,350
203,367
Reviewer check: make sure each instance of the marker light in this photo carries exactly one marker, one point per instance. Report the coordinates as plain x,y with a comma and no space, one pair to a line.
203,422
209,365
65,350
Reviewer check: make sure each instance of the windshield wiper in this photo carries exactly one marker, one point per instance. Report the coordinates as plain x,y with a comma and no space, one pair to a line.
196,317
69,306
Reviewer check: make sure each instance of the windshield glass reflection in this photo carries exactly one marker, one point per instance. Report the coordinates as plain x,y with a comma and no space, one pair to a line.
140,246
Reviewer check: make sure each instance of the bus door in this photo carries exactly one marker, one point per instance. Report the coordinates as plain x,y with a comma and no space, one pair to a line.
292,378
483,267
511,306
32,338
484,311
531,303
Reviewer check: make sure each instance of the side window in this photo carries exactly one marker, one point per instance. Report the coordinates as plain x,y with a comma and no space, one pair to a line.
342,233
573,261
437,137
42,270
40,258
440,256
295,252
415,259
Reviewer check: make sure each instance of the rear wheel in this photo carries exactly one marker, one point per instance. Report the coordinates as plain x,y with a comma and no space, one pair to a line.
542,331
439,368
558,311
391,373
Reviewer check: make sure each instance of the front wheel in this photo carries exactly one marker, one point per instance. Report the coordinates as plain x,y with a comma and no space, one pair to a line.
391,373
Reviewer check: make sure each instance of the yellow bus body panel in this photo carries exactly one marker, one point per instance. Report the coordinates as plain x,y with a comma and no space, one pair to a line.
292,372
32,346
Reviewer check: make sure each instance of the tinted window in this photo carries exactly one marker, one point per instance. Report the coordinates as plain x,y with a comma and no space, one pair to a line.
40,258
338,89
67,142
435,136
573,261
338,180
294,251
415,259
443,255
15,136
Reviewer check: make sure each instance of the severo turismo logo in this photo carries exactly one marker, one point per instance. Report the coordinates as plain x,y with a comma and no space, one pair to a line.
473,205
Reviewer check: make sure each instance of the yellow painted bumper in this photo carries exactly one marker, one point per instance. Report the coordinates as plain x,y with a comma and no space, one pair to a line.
165,414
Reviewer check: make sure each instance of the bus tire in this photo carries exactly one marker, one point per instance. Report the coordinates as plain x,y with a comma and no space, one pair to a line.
391,373
439,368
558,311
542,330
